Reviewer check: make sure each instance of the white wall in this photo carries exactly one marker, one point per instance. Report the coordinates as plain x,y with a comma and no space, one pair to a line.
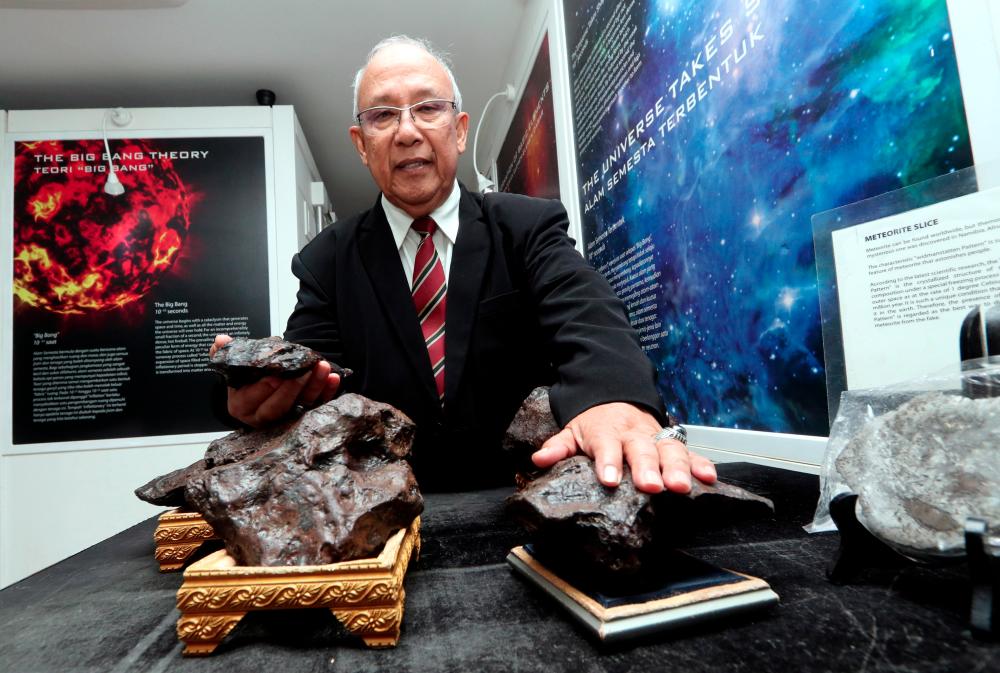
59,498
295,171
56,504
976,28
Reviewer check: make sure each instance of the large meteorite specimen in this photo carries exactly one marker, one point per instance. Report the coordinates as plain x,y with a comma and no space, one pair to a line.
168,490
333,487
567,508
571,515
921,470
244,361
532,425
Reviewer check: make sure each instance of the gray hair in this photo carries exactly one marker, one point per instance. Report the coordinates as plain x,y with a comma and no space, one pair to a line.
420,43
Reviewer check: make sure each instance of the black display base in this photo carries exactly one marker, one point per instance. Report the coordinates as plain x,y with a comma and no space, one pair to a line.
984,572
860,550
681,592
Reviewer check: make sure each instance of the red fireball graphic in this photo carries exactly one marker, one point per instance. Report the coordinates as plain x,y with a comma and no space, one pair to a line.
78,250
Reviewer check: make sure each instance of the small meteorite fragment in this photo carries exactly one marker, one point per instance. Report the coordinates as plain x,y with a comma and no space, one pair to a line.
244,361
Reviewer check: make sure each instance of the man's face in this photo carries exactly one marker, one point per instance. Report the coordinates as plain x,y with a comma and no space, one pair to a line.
415,168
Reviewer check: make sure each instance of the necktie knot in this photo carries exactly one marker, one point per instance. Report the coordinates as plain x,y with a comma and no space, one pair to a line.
424,226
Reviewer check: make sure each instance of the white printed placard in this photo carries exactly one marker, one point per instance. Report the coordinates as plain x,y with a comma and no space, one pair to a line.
906,282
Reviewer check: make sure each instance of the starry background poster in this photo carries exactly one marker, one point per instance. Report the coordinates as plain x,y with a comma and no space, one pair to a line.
527,162
117,298
708,134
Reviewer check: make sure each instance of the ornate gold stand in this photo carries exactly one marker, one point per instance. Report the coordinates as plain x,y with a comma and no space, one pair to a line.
365,595
178,535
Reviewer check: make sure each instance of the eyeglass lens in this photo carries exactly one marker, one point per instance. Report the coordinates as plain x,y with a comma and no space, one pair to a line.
428,113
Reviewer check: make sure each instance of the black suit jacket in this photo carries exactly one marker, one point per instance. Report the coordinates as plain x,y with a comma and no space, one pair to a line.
524,309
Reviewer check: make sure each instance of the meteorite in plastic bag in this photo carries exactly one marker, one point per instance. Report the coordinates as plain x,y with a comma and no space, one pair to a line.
922,456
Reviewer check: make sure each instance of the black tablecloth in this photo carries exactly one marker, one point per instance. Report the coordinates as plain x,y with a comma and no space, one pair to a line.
108,609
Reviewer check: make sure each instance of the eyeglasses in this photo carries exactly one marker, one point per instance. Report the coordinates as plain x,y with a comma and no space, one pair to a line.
427,114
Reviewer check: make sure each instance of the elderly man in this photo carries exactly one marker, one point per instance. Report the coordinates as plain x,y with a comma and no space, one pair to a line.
452,306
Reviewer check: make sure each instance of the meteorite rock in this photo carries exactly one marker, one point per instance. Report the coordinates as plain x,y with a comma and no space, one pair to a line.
607,531
168,490
730,493
568,508
612,531
242,443
334,488
921,470
244,361
532,425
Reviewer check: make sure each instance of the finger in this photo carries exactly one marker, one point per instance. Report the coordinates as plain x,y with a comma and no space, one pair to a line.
220,341
644,462
243,402
315,384
280,402
606,451
675,465
703,469
557,447
330,389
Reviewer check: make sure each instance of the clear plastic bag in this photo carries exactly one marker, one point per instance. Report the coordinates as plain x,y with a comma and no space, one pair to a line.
862,416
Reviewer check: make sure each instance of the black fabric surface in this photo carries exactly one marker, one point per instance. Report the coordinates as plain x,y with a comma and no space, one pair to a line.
108,609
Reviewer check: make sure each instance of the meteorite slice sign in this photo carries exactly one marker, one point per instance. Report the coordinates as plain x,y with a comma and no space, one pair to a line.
116,298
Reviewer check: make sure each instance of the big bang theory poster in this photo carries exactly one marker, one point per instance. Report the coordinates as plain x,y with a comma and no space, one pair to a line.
117,298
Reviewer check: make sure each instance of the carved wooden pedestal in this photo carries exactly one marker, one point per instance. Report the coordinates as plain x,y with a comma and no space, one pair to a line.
365,595
178,535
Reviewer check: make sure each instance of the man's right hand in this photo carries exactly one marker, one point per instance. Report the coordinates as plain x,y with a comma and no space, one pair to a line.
270,399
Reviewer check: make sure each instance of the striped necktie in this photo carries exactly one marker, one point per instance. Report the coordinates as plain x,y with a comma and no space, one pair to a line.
429,294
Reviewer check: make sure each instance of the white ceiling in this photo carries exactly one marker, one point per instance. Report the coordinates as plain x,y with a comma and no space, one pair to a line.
219,52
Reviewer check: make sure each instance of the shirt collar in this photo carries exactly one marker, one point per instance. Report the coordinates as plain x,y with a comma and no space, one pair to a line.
445,215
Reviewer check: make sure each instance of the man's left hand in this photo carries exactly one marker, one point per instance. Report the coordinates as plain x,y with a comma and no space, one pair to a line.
610,431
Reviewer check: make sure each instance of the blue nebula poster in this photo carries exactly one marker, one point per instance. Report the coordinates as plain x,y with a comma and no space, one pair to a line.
708,134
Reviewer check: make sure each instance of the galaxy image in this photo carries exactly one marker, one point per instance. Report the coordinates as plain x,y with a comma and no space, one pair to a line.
739,121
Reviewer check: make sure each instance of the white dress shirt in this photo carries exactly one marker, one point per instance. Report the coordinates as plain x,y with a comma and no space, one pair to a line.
407,240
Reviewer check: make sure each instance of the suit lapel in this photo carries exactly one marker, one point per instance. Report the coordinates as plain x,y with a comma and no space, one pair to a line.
381,260
468,264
